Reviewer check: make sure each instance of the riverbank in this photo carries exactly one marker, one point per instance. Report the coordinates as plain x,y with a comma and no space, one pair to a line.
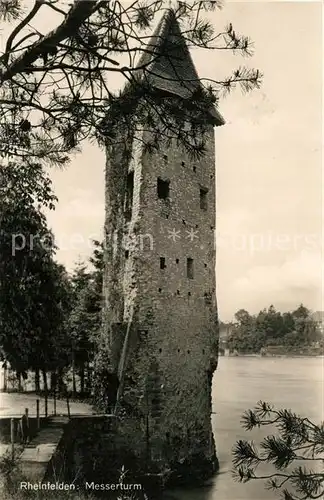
256,355
274,354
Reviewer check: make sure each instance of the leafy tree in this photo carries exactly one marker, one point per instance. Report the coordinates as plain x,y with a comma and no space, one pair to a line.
85,316
23,229
301,312
305,327
296,453
240,338
79,321
242,317
273,325
33,293
55,89
269,327
288,322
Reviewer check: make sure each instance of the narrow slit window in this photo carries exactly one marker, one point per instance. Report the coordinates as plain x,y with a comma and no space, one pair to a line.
190,268
203,198
162,263
142,334
163,189
129,195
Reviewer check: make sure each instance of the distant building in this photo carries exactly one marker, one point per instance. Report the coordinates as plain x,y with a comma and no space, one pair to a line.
318,317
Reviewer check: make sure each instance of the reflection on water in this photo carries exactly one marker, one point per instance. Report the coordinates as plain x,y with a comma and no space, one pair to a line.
239,383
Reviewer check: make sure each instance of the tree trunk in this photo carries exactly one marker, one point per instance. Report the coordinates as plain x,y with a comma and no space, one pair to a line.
53,382
73,375
45,391
79,13
88,379
37,381
5,378
45,381
82,380
60,383
19,382
53,388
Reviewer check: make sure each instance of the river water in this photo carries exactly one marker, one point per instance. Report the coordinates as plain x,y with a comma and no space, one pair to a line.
239,383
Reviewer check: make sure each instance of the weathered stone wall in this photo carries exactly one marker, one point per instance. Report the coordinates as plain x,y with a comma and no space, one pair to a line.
172,319
88,450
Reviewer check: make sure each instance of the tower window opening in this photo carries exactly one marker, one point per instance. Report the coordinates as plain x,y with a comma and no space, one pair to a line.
142,334
129,195
162,263
190,269
160,290
183,164
126,254
194,169
177,261
163,189
203,198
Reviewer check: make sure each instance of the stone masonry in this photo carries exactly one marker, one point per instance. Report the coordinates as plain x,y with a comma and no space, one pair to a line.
160,320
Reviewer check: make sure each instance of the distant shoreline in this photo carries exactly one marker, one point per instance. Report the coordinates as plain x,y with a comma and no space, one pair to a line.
267,356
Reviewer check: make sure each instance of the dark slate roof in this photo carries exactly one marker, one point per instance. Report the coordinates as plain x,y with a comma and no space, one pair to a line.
168,65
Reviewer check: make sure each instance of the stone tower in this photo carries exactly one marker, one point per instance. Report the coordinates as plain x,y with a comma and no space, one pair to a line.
160,306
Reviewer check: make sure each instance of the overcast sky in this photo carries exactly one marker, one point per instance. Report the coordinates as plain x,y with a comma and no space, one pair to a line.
268,167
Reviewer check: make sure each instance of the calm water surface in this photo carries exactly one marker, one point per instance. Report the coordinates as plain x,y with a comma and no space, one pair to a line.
239,383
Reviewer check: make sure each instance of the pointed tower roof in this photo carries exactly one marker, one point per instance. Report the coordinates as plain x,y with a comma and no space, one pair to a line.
167,63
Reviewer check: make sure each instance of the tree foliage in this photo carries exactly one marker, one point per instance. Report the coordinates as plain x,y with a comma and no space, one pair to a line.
34,296
296,452
55,88
251,333
46,316
84,320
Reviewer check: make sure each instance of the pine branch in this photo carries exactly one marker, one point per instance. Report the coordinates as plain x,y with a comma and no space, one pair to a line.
80,11
59,84
299,440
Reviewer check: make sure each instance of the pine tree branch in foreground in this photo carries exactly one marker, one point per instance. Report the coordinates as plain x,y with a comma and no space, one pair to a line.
296,452
55,90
